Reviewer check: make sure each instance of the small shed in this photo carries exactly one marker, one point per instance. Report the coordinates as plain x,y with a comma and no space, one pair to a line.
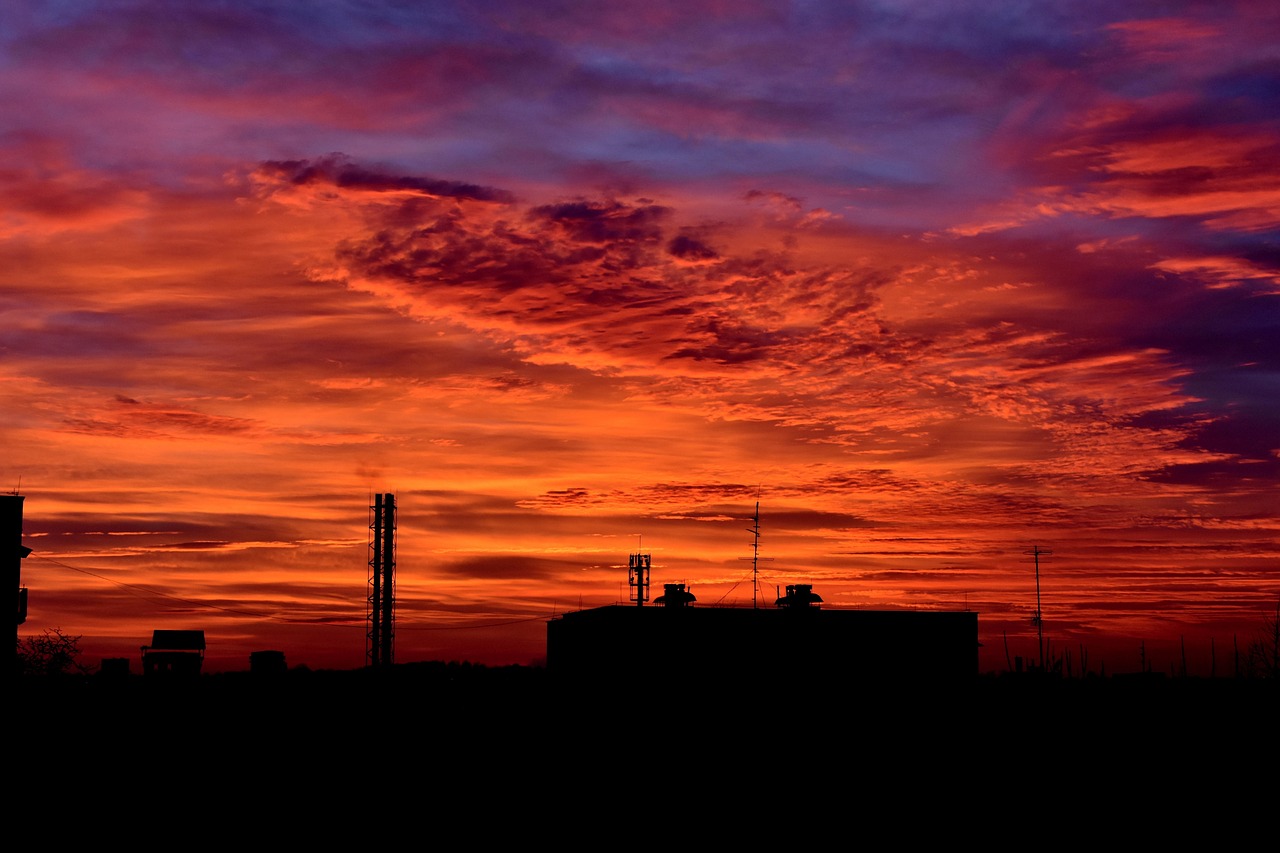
174,654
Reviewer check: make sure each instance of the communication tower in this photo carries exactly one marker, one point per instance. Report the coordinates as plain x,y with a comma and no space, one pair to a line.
638,577
380,640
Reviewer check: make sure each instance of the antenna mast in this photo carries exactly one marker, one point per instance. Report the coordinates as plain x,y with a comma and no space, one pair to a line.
754,529
1038,618
755,558
755,555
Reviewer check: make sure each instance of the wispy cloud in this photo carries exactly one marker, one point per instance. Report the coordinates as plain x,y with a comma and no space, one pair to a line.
928,283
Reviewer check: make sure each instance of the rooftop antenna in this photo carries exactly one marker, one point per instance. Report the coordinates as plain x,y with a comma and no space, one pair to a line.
755,556
1037,619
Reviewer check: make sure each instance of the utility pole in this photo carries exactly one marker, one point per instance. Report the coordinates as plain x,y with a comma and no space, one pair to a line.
1037,552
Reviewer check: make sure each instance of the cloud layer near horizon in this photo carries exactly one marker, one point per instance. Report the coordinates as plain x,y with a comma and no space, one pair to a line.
932,287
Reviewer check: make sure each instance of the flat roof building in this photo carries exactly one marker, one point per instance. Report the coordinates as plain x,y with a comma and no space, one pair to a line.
174,654
797,639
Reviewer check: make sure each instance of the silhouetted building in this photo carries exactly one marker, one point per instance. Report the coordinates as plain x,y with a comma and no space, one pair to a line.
114,669
13,552
267,663
795,640
176,654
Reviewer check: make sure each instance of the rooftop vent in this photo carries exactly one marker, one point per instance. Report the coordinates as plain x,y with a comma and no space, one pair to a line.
674,595
800,595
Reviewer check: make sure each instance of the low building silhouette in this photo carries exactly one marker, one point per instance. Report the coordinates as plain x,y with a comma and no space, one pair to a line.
174,654
267,662
795,641
116,669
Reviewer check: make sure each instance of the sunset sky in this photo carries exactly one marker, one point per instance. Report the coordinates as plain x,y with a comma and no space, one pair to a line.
935,284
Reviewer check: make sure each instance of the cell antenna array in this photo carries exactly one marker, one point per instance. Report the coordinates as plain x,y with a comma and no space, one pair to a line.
639,566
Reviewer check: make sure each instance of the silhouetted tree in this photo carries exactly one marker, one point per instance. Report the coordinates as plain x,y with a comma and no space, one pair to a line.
52,653
1262,657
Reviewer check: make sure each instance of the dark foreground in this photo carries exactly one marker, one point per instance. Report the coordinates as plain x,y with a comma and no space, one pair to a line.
401,703
454,736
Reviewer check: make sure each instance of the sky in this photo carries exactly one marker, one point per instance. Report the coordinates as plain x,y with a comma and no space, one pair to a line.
930,287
